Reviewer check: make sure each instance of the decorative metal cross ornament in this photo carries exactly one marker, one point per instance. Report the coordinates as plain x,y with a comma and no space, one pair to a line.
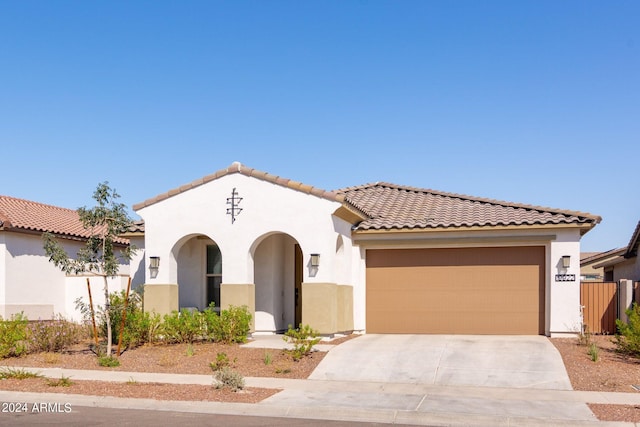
234,201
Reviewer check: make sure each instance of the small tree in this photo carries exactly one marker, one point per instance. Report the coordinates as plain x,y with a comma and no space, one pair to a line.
105,222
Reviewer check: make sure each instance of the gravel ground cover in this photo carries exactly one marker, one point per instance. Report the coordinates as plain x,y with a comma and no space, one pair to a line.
613,372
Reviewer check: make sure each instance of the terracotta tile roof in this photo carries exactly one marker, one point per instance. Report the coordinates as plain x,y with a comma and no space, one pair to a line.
136,227
24,215
237,167
390,207
387,206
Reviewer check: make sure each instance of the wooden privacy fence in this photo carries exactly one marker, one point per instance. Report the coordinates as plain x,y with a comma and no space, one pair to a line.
600,306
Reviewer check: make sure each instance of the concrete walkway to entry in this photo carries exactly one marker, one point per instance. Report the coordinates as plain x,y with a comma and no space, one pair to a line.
411,380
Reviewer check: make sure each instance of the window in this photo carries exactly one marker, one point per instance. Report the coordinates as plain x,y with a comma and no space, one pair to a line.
214,275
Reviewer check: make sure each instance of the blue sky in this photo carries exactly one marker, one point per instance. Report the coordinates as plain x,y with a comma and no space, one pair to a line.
535,102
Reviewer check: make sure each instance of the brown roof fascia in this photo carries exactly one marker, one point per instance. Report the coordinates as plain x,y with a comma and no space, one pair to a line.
237,167
466,228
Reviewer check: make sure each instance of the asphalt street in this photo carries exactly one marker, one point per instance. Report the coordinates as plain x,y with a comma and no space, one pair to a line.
89,416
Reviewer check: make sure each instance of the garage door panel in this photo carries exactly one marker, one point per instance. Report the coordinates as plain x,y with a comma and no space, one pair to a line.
425,294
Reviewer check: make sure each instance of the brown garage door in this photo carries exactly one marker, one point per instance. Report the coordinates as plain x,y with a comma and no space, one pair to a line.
456,291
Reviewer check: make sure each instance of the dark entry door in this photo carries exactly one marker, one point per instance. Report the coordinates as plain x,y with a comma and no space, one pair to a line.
298,285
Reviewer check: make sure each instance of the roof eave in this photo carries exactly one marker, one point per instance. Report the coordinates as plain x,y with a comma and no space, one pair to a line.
470,228
610,262
602,256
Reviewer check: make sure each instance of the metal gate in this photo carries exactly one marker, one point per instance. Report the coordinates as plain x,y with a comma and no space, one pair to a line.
600,306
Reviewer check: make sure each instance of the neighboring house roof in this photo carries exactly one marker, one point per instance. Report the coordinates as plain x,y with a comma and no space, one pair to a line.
588,258
623,254
137,227
390,206
632,247
26,216
384,206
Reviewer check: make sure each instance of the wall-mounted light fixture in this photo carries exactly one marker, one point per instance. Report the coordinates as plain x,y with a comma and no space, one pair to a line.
315,260
566,261
154,262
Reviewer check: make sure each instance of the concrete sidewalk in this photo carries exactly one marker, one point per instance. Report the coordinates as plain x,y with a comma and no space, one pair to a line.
398,403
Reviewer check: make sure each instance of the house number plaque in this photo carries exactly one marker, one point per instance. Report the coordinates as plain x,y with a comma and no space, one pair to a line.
565,277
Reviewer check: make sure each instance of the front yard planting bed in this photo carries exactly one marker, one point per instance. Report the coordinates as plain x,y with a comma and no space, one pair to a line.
613,372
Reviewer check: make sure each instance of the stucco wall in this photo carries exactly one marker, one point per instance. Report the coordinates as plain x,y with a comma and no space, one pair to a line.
628,269
136,265
258,248
76,287
3,276
33,285
564,297
267,208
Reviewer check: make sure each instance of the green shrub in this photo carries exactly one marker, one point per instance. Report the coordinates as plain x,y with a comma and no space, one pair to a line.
13,336
108,361
190,350
267,359
584,337
184,326
210,323
61,382
594,352
232,326
54,335
222,361
303,340
228,378
628,337
18,374
140,327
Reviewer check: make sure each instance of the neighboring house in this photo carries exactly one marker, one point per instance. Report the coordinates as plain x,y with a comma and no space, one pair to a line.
626,265
591,269
29,283
377,258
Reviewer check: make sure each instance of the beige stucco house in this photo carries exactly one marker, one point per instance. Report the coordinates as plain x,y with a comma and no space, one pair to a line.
377,258
29,283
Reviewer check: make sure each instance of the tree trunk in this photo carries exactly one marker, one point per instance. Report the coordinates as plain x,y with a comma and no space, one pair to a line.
107,316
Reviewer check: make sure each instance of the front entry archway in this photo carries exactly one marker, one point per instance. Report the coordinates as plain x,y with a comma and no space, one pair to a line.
278,274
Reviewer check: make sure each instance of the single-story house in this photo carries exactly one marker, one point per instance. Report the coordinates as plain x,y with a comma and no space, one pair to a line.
376,258
29,283
624,266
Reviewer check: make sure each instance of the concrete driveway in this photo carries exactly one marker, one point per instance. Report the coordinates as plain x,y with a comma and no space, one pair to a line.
443,380
455,360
